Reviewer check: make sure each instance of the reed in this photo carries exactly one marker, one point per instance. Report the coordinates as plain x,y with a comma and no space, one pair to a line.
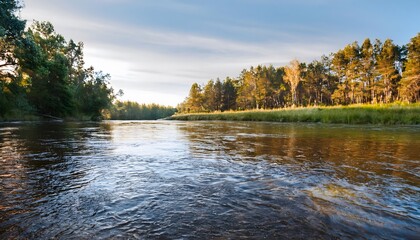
388,114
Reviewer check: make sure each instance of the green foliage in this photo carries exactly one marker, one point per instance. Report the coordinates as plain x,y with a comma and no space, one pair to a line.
195,99
134,111
352,114
371,73
50,79
50,92
43,74
228,95
11,28
409,88
12,100
387,71
94,95
10,25
319,83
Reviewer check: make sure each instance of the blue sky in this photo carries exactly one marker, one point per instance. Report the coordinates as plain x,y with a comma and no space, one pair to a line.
155,49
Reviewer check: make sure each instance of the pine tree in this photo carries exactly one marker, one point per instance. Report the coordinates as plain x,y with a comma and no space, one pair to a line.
218,92
228,95
387,70
367,70
409,88
209,97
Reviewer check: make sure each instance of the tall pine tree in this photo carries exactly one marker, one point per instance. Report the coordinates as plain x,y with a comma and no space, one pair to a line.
409,88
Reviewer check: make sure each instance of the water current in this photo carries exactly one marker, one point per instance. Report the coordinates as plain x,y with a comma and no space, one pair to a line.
208,180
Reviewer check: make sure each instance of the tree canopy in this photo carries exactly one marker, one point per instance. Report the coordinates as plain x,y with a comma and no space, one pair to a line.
128,110
374,72
41,73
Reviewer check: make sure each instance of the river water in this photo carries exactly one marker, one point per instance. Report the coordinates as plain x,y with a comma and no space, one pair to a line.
208,180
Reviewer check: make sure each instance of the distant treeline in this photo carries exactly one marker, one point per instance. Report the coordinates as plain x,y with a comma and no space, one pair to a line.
134,111
42,74
374,72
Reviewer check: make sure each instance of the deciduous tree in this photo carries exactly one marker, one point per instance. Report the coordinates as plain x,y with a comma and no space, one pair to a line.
293,77
195,99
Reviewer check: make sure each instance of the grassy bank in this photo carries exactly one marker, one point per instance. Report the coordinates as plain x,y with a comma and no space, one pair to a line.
353,114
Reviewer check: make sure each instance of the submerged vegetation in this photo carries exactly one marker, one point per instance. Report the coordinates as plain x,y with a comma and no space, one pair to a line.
352,114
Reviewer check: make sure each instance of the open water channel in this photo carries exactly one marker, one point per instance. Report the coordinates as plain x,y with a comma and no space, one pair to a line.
208,180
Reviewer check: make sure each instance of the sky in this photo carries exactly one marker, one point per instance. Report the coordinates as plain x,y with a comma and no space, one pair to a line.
155,49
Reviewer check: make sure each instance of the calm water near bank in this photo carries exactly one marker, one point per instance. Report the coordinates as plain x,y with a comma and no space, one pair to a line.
200,180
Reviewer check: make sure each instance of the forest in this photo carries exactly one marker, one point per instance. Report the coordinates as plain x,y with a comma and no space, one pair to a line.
374,72
44,76
128,110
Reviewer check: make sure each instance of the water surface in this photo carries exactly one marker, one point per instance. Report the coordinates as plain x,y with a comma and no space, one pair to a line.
218,180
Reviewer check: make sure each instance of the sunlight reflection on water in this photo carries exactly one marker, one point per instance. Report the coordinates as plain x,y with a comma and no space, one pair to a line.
160,179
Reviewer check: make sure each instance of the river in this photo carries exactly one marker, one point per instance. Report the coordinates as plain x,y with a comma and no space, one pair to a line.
208,180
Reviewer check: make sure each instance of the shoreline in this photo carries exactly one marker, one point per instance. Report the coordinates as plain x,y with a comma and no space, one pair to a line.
383,114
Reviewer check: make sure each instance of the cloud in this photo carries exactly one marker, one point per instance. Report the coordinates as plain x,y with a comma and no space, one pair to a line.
168,62
149,59
162,47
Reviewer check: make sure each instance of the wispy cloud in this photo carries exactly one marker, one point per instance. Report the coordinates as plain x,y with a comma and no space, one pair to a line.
159,48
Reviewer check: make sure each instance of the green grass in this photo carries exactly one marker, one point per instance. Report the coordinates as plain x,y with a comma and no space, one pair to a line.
389,114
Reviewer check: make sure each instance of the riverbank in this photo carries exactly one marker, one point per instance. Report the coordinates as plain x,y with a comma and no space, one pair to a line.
388,114
28,117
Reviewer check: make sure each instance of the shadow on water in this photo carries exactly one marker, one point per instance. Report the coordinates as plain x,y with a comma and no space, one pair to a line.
159,179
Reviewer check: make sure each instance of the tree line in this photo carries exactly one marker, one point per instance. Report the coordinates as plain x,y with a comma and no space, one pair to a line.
43,74
374,72
128,110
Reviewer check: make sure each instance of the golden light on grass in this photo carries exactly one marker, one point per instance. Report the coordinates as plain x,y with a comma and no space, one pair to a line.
396,113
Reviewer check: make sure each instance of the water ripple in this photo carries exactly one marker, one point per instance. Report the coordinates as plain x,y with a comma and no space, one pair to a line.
194,180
